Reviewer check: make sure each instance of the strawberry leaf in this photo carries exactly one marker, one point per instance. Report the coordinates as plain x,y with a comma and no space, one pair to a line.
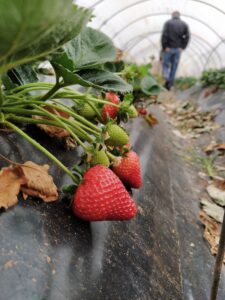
20,75
99,79
149,86
89,49
33,29
106,80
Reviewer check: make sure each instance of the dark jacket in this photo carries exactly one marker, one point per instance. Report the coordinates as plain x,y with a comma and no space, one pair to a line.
175,34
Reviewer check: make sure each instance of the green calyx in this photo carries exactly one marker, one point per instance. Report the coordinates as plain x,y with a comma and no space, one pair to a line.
100,158
117,136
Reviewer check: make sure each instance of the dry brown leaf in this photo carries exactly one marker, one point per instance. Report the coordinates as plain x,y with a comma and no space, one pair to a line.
210,91
54,130
211,233
220,147
210,148
151,119
10,182
8,265
220,184
38,182
70,143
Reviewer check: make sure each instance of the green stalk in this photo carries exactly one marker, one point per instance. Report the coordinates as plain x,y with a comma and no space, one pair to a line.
45,122
96,110
77,127
87,128
42,149
57,119
65,108
74,94
23,111
31,89
33,84
7,109
1,93
24,103
110,155
51,92
32,121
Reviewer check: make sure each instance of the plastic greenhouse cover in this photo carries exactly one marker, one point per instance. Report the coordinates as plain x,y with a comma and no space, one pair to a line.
136,25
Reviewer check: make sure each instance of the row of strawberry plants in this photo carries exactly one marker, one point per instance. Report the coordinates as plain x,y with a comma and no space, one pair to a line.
78,55
213,77
184,83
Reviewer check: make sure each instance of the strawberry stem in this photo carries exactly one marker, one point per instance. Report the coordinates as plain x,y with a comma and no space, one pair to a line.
58,120
42,149
110,155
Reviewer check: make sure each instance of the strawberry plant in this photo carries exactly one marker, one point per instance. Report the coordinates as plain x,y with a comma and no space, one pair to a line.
78,55
183,83
213,78
144,84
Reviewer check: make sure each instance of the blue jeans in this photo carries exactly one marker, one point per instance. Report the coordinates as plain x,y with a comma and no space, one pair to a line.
170,62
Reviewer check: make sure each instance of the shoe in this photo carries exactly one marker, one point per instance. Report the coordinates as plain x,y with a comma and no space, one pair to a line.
167,85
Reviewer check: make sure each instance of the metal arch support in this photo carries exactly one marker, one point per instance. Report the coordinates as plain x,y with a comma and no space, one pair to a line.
195,50
197,65
157,32
165,14
202,61
214,50
199,1
204,41
142,1
96,4
200,40
138,39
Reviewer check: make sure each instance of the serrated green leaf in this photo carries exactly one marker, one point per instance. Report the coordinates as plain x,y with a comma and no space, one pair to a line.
32,29
23,74
99,79
106,80
116,66
89,49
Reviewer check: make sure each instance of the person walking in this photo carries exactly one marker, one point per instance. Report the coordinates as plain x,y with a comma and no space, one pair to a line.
174,40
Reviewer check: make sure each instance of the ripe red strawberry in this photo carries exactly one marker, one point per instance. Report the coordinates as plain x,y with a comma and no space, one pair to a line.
108,110
102,196
128,169
112,97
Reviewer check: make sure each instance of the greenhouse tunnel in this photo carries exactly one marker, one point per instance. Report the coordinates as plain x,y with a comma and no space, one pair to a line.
131,203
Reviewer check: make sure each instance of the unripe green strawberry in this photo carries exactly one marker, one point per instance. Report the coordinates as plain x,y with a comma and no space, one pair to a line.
132,112
100,158
117,136
87,111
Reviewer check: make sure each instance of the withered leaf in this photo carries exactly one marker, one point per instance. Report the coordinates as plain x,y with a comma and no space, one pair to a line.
10,182
220,184
217,193
210,148
38,182
151,119
211,232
